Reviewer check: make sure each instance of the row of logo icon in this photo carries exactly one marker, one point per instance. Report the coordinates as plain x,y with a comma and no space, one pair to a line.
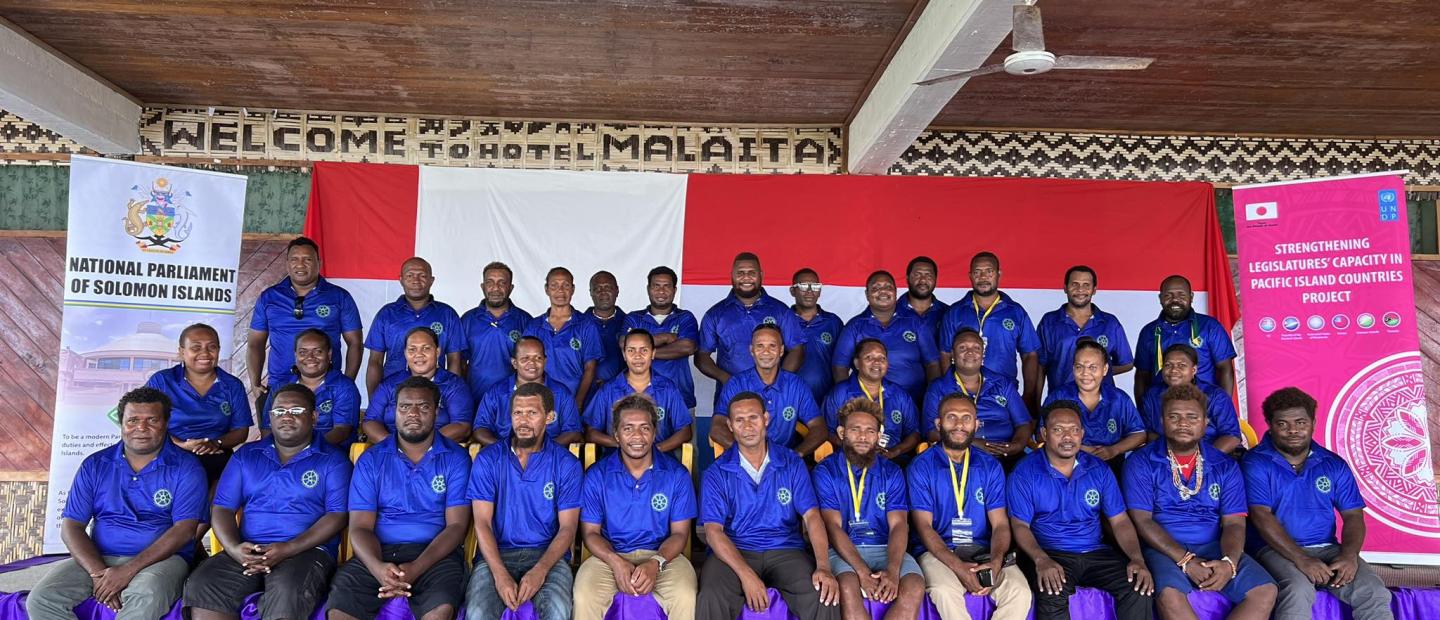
1340,321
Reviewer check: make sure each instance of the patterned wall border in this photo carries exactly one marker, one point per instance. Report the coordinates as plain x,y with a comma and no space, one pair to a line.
22,520
18,135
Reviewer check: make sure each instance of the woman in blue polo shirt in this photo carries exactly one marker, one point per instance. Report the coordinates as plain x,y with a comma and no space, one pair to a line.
1179,368
422,359
210,412
337,400
1112,423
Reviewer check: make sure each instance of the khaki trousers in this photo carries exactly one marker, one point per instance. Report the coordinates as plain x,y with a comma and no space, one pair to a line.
1012,598
675,587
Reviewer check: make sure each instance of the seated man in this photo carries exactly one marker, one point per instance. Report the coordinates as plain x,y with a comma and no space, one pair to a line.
1059,498
292,487
674,428
900,433
525,494
753,502
146,498
870,532
1005,425
1223,430
1295,486
636,518
408,517
961,522
1187,499
784,392
492,417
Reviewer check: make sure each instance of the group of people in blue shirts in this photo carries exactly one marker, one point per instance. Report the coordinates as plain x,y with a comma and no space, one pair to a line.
933,460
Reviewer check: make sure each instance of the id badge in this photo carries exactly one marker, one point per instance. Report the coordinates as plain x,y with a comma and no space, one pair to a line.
861,529
962,531
884,439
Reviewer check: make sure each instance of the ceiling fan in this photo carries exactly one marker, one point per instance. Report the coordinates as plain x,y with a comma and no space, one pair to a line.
1030,57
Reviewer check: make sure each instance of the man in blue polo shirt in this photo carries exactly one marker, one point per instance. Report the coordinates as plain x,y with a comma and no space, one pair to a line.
293,489
146,498
1187,500
869,532
337,408
416,307
453,417
1059,497
674,428
610,321
1294,487
753,501
921,276
571,338
1112,424
900,432
408,517
636,519
1223,430
491,330
785,394
526,497
1180,323
821,328
957,510
492,416
1002,322
1005,425
914,359
301,301
1080,318
725,330
676,330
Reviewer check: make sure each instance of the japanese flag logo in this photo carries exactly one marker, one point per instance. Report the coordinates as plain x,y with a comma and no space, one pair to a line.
1261,211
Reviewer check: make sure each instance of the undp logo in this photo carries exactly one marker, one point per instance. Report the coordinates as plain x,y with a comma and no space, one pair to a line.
658,502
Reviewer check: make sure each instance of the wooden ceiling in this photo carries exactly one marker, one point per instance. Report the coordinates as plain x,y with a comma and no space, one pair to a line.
1287,67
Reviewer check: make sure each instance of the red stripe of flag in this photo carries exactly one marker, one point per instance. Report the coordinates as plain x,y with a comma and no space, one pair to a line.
363,217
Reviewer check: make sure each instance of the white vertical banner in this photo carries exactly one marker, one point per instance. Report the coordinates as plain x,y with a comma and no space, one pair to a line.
150,250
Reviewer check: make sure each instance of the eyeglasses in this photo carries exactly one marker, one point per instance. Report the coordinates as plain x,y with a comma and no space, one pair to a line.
294,412
808,287
300,306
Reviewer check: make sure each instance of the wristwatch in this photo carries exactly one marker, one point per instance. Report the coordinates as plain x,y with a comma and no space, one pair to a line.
660,559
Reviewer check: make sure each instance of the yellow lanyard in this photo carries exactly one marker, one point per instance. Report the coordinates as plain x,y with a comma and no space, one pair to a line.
1160,351
856,496
959,487
966,392
867,394
981,317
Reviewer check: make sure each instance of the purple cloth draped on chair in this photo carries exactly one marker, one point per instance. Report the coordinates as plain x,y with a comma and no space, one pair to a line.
526,611
629,607
250,610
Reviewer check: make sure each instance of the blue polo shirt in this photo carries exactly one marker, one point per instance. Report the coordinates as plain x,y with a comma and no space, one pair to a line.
932,492
1149,486
1064,513
821,333
1058,333
455,402
884,492
327,307
133,509
909,345
998,404
1007,331
932,317
728,325
493,414
1304,502
1114,418
683,325
337,401
633,514
527,501
611,362
1219,411
1204,333
222,409
489,345
758,517
568,349
409,499
788,401
674,415
396,319
279,501
901,416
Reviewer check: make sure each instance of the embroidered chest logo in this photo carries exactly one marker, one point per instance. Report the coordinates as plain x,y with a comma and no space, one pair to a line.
880,500
162,498
1009,324
896,417
225,408
309,479
1104,341
1215,490
575,344
789,414
1001,400
675,329
783,496
1092,498
549,491
437,328
769,320
437,484
909,336
1322,484
514,335
322,311
659,502
326,406
1112,426
980,496
660,413
826,338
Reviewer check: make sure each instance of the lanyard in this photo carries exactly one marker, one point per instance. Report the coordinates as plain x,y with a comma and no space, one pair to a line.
1194,341
867,394
959,487
856,496
981,317
978,390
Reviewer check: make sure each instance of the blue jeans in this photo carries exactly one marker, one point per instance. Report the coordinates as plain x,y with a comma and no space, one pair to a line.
553,602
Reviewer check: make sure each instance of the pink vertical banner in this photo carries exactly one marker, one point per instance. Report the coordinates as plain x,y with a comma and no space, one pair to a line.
1328,304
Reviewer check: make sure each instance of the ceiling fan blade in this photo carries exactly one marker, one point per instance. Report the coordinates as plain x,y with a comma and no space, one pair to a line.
1103,63
1028,34
985,70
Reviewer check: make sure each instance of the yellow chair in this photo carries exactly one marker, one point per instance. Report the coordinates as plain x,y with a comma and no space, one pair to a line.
1251,439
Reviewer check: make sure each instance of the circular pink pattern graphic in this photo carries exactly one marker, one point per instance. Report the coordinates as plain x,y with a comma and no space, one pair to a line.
1378,424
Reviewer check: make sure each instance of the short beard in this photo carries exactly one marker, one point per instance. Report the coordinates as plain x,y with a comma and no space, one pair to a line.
945,439
523,443
862,460
913,294
502,303
415,438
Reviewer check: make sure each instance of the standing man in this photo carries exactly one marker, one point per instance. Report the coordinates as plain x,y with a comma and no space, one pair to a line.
752,505
1295,487
869,533
636,518
921,277
957,507
408,517
492,416
299,302
1187,499
571,339
1005,426
416,307
146,498
610,320
526,497
1180,323
1059,497
914,360
675,330
784,393
725,330
900,431
1003,324
821,328
491,330
674,428
1222,431
1080,318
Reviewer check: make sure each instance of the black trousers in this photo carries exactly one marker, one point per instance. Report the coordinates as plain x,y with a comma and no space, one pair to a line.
353,590
292,589
788,571
1103,569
